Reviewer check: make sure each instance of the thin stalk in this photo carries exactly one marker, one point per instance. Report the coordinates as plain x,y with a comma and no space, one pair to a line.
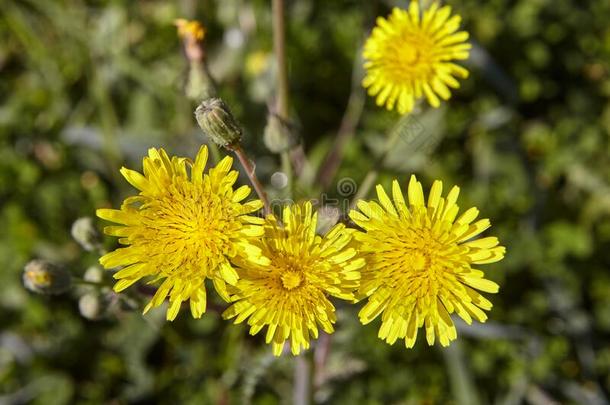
279,47
302,380
202,67
282,90
320,358
80,281
195,55
287,169
347,129
250,172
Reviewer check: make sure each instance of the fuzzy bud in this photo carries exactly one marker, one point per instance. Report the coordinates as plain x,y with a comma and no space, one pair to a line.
94,274
198,85
217,122
86,234
90,306
278,135
42,277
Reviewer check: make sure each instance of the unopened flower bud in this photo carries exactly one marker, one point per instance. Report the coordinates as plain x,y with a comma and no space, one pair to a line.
190,28
278,136
198,85
43,277
94,274
86,234
90,306
217,122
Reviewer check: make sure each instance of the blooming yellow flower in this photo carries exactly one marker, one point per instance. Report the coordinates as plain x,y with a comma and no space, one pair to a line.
182,230
419,263
190,28
290,295
408,57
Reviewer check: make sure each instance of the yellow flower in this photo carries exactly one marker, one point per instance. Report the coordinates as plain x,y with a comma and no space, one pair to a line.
257,63
408,57
290,295
419,263
190,28
182,230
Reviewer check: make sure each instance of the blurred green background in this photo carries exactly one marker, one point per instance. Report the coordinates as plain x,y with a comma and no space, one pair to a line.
87,86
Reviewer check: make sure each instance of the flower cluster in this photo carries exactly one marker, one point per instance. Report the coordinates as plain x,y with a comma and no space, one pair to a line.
413,260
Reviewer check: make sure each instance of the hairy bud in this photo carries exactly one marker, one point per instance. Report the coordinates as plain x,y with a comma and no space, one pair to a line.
217,122
42,277
198,85
89,306
279,136
86,234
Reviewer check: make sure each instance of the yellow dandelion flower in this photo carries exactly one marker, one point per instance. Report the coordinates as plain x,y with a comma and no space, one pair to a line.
190,28
182,229
408,57
290,295
419,263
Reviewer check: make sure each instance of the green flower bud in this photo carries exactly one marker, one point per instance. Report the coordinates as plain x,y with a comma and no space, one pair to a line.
198,85
278,135
42,277
217,122
86,234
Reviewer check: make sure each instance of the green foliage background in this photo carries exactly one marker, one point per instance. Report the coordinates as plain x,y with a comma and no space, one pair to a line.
87,86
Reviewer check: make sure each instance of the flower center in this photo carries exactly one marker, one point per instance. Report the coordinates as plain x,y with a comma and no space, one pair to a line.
406,59
191,226
422,255
419,261
291,279
409,54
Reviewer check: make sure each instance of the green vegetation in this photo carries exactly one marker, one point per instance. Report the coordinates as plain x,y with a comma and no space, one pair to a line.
88,86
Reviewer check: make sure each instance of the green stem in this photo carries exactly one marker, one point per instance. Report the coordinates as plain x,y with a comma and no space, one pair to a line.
347,129
302,380
204,84
320,359
282,89
250,172
279,46
287,169
80,281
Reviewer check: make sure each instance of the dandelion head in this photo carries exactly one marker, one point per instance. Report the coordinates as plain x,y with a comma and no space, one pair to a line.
420,262
182,229
409,55
290,295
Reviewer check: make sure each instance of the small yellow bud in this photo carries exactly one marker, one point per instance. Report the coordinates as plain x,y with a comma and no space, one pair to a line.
190,28
42,277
